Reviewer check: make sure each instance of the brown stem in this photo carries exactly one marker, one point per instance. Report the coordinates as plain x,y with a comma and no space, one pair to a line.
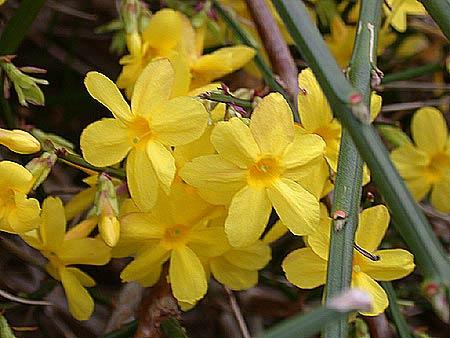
280,57
237,313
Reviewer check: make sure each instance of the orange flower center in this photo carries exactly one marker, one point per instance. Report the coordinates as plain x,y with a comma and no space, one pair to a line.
175,235
438,166
264,172
139,130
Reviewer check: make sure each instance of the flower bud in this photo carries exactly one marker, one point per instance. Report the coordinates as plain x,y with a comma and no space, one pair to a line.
19,141
106,207
40,167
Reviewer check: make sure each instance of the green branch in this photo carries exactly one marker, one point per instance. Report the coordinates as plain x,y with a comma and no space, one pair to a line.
17,27
401,325
409,220
264,68
347,192
412,73
439,11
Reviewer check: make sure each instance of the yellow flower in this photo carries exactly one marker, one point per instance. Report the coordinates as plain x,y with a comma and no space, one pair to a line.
176,230
425,165
17,212
399,10
62,252
19,141
259,164
145,132
307,267
171,35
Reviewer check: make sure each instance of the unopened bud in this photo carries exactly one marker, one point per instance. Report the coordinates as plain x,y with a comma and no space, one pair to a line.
19,141
40,167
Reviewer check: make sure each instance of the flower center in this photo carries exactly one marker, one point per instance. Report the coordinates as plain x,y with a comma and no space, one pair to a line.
175,235
438,166
139,130
264,172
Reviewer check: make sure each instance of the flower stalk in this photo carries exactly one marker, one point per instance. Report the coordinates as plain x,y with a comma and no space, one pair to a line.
347,193
345,100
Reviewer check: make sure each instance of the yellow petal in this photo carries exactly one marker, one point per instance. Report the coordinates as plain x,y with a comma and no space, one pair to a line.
80,202
319,240
375,105
19,141
393,264
379,298
25,215
106,92
313,106
231,275
80,302
153,87
149,259
142,180
163,164
187,277
304,149
276,232
53,223
314,176
234,142
182,120
82,277
14,176
109,228
440,194
213,172
164,29
219,63
373,223
139,226
208,242
152,276
252,257
272,124
90,251
182,79
305,269
298,209
82,229
105,142
248,216
429,130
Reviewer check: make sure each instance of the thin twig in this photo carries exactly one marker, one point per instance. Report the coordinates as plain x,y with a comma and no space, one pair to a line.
415,105
16,299
237,313
280,57
408,85
58,6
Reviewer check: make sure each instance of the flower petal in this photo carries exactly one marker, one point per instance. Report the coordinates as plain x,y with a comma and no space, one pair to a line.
164,29
441,193
139,226
213,172
163,164
235,143
148,259
82,277
429,130
105,142
25,215
187,277
53,223
14,176
153,87
313,106
379,298
142,180
231,275
252,257
272,124
373,223
92,251
303,150
298,209
305,269
208,242
152,276
393,264
106,92
248,216
80,301
182,120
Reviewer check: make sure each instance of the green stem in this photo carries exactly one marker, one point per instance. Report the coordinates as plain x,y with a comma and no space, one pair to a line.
172,329
7,113
439,11
401,325
71,158
264,68
409,220
412,73
18,26
217,97
126,331
347,191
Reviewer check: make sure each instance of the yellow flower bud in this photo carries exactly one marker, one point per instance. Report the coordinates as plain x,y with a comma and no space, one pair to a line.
19,141
109,228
